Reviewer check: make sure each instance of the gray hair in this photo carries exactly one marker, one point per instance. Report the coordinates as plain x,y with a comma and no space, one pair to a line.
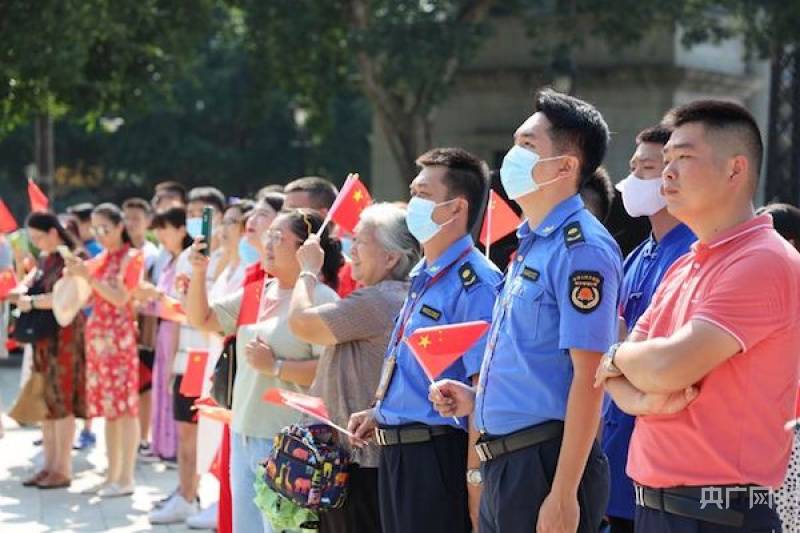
389,223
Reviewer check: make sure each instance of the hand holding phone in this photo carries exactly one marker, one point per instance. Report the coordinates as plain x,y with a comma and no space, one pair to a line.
208,212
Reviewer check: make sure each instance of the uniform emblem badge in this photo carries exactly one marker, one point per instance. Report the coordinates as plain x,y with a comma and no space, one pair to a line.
586,290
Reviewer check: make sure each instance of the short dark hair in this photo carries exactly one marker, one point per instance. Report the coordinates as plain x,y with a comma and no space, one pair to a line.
83,211
137,203
575,125
273,199
658,134
722,115
210,196
175,217
268,189
466,176
244,205
171,187
321,192
785,219
599,184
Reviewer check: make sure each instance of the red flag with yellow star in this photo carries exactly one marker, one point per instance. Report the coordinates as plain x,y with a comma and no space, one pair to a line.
192,381
352,200
499,220
8,281
438,347
39,201
310,405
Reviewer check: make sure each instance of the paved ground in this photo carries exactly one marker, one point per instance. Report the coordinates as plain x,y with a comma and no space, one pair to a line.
30,510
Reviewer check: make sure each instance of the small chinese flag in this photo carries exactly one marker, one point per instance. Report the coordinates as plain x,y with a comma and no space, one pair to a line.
8,282
499,220
7,222
39,201
192,381
310,405
438,347
134,270
352,200
171,309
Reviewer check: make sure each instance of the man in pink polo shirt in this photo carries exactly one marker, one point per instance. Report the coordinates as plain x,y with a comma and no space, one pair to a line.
711,368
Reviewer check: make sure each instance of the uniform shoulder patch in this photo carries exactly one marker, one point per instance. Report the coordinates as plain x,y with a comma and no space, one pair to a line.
585,290
573,234
467,275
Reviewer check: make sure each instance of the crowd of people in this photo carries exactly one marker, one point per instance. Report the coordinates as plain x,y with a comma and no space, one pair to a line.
656,392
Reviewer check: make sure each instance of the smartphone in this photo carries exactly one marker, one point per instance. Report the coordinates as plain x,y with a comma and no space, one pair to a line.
208,212
65,252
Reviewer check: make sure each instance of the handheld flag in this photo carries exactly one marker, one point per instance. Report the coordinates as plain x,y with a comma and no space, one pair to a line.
309,405
499,220
171,309
438,347
192,381
39,201
351,201
8,282
7,222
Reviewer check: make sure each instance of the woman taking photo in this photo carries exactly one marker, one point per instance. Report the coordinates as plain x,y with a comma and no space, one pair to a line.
59,357
268,355
112,371
356,331
170,229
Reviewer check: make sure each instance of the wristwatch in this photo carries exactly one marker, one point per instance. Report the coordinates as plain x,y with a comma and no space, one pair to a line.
474,476
276,368
608,360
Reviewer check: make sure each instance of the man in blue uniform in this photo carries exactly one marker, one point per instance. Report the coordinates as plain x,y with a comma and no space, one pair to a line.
424,466
644,268
535,404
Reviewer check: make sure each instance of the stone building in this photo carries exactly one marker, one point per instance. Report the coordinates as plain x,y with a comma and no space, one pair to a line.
632,87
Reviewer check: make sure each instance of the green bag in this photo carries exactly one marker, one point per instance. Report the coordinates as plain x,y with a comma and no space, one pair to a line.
281,512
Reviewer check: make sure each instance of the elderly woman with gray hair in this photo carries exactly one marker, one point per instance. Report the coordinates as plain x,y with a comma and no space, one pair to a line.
356,332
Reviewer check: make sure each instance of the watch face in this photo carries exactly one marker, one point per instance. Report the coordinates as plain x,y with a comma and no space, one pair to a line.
474,477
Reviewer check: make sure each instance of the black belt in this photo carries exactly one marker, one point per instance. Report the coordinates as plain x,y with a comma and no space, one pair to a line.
412,434
708,504
489,448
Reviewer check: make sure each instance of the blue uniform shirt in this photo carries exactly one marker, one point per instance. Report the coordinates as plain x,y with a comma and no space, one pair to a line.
644,268
464,293
560,293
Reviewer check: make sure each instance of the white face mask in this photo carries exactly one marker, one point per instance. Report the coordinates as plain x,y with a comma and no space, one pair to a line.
641,197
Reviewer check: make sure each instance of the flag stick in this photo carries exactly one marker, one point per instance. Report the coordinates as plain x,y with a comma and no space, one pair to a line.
489,226
322,419
335,205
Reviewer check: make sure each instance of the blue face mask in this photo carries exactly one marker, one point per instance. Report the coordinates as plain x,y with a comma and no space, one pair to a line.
347,245
516,174
247,252
194,227
419,218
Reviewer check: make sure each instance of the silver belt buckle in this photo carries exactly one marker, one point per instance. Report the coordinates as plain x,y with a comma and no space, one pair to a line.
483,452
379,437
639,491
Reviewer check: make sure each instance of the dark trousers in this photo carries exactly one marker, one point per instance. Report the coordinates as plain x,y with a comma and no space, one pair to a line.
759,519
516,484
620,525
360,511
423,488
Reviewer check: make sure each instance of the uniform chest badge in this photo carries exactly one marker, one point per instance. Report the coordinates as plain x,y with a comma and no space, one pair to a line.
585,290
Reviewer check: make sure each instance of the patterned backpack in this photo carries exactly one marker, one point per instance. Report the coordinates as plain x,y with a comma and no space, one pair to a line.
308,468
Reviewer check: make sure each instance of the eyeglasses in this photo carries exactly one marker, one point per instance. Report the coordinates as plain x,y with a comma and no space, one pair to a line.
100,231
275,236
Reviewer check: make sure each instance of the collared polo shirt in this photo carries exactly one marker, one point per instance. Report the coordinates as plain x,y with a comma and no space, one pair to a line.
747,283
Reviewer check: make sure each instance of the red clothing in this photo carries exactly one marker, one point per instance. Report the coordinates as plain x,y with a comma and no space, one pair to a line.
346,282
112,360
747,283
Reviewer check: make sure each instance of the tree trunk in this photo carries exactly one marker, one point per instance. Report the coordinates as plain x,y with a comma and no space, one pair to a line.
44,156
